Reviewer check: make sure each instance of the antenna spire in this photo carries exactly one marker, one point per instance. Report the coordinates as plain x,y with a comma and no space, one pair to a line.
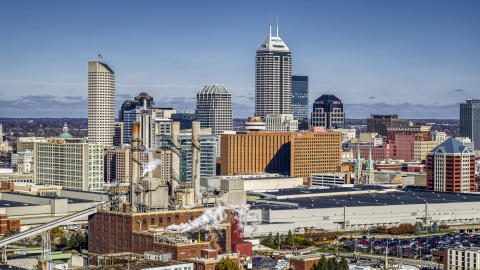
270,26
277,25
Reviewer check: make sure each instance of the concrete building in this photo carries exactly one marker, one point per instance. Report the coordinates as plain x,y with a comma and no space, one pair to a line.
214,108
101,103
451,167
347,134
11,177
117,164
470,120
273,75
378,123
332,179
461,258
36,190
439,136
280,122
255,181
300,101
467,142
328,112
297,154
25,162
69,163
409,129
372,138
24,143
421,147
254,124
137,103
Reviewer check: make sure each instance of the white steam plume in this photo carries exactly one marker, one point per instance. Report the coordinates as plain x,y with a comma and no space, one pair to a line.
255,223
240,215
209,219
151,165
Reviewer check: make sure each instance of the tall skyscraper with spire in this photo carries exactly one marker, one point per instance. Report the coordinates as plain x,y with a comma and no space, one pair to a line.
101,103
273,77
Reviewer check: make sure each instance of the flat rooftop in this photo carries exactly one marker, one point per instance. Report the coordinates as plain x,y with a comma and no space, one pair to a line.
377,197
6,203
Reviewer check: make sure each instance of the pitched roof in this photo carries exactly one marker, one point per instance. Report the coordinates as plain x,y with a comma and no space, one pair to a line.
451,146
273,44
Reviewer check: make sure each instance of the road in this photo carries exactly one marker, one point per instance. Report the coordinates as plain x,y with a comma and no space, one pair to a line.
401,261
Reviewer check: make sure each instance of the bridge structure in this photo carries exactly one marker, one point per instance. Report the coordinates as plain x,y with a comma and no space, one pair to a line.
45,231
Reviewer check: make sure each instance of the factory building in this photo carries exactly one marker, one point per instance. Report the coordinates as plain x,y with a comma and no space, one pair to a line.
297,154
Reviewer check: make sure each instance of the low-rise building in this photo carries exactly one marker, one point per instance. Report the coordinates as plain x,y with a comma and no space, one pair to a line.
280,122
462,258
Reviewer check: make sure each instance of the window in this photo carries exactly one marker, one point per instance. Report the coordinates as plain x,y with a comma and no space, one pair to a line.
152,221
191,217
144,221
176,217
160,220
169,219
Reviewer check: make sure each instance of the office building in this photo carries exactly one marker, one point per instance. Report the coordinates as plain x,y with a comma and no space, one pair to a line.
467,142
137,103
214,108
254,123
378,123
439,136
300,101
101,103
422,147
70,163
273,75
372,138
409,129
117,165
470,121
280,122
348,134
185,119
451,167
118,135
461,258
328,112
297,154
25,161
27,143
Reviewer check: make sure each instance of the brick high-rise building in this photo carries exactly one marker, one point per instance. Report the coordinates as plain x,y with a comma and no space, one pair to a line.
409,129
293,153
101,103
378,123
451,167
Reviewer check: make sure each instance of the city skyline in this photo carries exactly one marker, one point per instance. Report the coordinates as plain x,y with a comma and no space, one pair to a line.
417,60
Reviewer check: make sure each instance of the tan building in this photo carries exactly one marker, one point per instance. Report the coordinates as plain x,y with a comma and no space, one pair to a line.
27,143
37,190
295,153
16,177
421,148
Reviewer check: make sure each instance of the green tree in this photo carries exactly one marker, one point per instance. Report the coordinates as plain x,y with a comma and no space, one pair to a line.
63,242
434,228
343,264
289,239
332,264
270,240
322,264
277,238
282,238
7,233
418,228
56,233
227,264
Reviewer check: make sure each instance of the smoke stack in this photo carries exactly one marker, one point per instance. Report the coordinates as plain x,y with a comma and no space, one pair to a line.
196,158
136,160
175,147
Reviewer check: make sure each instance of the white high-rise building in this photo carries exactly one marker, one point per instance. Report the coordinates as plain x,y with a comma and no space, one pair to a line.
273,77
101,103
214,108
280,122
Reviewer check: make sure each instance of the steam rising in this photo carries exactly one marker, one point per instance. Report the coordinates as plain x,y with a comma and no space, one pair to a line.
240,215
151,165
209,219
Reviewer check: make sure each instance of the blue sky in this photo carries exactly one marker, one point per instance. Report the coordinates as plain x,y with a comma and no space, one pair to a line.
415,58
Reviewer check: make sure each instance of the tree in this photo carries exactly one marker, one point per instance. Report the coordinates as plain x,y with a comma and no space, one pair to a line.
289,239
277,238
7,233
343,264
282,238
434,228
270,240
322,264
227,264
56,233
63,242
418,228
332,263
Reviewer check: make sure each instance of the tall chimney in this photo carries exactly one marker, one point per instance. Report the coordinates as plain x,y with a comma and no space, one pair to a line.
136,162
175,149
196,158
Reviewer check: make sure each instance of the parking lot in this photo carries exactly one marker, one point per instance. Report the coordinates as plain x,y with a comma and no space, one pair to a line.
267,264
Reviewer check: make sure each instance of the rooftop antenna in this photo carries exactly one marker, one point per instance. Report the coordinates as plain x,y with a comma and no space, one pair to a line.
277,25
270,26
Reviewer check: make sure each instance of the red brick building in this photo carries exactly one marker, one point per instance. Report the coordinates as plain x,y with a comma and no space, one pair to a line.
451,167
419,128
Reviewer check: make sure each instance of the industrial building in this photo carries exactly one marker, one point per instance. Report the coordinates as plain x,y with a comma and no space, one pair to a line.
297,154
353,208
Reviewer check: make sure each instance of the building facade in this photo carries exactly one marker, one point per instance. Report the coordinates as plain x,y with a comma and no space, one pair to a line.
101,103
214,108
297,154
300,101
185,119
273,75
118,137
470,121
378,123
280,122
451,167
409,129
328,112
27,143
70,164
143,99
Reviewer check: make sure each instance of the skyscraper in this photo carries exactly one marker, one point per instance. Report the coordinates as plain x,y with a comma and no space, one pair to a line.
214,108
470,121
101,103
273,75
300,101
328,112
